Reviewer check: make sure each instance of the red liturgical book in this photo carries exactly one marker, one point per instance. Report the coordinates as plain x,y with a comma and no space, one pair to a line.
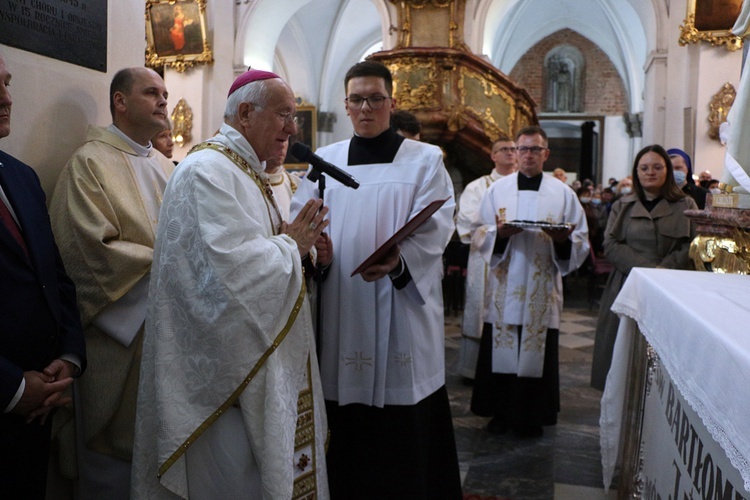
401,234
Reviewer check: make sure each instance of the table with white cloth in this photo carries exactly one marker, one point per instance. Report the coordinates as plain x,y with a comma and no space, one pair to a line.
675,414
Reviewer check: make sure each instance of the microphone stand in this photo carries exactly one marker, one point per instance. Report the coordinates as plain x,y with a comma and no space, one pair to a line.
316,175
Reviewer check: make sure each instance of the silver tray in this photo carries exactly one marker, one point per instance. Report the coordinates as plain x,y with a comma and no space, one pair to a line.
527,224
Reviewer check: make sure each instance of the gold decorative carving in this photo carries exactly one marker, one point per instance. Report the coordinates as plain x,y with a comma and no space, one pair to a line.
182,123
176,34
416,84
439,21
479,94
721,254
719,107
463,102
712,26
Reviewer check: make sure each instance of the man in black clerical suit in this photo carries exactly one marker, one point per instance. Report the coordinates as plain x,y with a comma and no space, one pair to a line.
41,341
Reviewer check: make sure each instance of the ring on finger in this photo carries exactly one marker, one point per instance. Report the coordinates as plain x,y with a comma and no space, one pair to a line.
312,226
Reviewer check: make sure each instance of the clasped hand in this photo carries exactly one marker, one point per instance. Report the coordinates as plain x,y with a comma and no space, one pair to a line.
44,390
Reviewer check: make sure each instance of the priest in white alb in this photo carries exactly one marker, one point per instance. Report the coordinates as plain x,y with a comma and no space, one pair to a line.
505,160
517,378
230,403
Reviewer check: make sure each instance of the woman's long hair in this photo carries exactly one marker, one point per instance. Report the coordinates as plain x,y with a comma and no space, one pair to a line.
669,191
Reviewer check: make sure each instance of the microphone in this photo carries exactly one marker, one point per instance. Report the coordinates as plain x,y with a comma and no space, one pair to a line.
303,153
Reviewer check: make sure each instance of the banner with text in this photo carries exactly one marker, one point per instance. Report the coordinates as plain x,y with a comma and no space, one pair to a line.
681,461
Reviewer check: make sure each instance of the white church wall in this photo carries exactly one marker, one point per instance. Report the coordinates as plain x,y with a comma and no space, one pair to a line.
717,67
617,153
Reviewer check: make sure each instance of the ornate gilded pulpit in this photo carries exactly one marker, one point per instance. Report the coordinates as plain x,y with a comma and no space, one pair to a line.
463,102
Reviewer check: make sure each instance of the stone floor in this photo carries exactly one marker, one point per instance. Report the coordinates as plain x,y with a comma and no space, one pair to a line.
565,463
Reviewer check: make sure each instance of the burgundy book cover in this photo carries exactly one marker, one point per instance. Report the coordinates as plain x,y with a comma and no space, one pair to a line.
401,234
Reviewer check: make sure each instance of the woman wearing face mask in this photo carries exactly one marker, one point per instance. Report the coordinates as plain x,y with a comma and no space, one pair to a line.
683,176
646,228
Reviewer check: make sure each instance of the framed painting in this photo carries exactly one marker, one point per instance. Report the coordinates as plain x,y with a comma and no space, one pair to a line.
711,21
307,131
176,34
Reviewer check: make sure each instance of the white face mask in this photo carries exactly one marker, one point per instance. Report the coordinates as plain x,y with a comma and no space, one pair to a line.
626,190
585,199
679,177
596,201
715,191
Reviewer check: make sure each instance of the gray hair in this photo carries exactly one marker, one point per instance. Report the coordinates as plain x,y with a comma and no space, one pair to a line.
254,92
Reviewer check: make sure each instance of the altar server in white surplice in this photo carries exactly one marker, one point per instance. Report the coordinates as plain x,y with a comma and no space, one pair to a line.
517,378
230,403
505,160
382,334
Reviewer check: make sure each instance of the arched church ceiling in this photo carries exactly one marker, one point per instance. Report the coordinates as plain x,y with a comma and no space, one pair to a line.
324,37
614,26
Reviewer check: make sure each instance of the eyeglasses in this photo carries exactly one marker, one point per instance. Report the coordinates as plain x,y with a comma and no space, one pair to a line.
374,101
287,117
505,150
534,150
656,167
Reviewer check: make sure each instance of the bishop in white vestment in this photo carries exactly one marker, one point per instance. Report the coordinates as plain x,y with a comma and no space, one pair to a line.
230,403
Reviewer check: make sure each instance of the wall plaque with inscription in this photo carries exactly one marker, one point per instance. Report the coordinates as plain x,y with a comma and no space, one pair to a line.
73,31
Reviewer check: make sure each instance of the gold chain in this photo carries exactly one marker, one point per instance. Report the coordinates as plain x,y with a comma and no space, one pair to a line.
263,184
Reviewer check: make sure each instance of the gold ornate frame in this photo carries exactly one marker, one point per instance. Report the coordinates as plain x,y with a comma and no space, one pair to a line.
694,29
307,132
177,40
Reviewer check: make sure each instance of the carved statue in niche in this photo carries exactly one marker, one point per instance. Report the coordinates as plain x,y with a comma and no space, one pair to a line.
562,82
560,88
563,86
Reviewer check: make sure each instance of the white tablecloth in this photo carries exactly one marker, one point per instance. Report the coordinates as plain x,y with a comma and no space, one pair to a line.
699,325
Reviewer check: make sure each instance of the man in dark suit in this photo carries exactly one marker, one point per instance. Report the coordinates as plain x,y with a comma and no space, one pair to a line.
41,341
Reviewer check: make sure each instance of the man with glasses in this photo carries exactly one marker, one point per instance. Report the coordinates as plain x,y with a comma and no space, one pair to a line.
230,403
505,160
534,232
382,333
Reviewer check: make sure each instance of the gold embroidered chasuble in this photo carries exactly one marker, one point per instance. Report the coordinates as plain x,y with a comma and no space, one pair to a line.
104,225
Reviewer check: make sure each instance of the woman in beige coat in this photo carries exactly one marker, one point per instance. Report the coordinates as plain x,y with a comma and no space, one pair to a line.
646,228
